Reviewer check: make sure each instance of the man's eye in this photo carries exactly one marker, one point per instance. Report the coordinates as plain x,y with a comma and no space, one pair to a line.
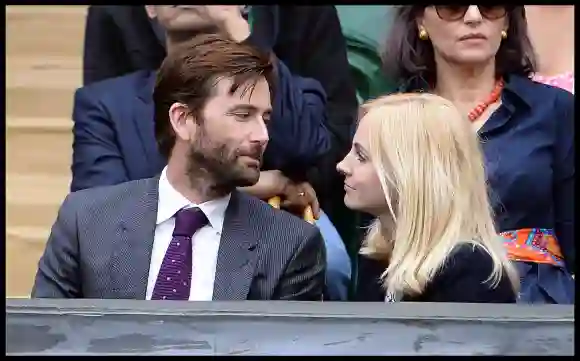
242,115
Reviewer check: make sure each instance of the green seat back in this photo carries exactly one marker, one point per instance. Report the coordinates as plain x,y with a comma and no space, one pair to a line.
364,28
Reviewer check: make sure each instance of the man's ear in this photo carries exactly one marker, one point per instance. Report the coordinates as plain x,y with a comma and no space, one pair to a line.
151,12
182,121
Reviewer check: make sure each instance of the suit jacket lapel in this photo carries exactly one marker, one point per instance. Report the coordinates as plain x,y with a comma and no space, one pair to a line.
237,254
132,252
143,120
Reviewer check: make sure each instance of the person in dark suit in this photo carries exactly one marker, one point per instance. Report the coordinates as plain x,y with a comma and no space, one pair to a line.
299,134
188,234
308,39
417,168
114,142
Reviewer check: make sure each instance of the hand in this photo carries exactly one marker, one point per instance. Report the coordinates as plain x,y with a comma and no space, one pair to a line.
297,196
220,14
228,18
274,182
271,183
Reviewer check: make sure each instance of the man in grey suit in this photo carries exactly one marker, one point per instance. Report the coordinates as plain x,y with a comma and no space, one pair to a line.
190,234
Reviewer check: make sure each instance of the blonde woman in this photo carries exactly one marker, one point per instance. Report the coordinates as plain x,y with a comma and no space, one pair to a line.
416,166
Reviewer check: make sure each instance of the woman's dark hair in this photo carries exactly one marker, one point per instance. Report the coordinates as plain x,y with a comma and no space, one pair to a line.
190,72
410,61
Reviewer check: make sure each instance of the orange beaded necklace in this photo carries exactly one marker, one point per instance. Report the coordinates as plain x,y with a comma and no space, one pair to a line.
493,97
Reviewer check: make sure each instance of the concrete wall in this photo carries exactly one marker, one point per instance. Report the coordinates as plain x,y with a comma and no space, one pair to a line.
42,327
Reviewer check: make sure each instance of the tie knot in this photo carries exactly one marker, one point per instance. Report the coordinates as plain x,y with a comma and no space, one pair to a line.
188,221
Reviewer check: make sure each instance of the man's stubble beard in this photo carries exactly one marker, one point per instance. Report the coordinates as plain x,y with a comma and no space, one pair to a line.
212,169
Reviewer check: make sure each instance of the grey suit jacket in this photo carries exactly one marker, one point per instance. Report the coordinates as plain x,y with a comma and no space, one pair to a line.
100,247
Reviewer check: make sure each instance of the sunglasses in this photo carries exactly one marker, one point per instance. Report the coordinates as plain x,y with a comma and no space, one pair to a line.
457,12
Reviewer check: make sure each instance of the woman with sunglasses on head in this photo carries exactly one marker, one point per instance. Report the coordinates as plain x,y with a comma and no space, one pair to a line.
480,58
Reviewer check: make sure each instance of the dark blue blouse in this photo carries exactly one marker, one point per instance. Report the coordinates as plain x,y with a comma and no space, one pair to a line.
528,144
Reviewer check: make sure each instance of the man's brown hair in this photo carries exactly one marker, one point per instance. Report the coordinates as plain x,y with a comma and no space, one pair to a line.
190,72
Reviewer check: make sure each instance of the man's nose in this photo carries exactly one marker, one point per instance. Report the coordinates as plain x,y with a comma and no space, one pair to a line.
260,133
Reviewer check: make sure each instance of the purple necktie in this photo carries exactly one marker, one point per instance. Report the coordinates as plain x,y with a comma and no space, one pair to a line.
174,279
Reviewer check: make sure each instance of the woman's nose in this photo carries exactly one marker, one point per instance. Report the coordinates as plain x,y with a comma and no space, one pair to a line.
340,168
472,15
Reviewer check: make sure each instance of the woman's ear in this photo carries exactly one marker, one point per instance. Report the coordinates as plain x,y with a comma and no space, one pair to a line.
419,22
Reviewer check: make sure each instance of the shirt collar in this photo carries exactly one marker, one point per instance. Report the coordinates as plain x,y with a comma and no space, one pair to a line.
170,201
516,85
519,87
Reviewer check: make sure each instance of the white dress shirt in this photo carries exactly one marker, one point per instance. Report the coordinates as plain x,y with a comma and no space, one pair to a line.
205,241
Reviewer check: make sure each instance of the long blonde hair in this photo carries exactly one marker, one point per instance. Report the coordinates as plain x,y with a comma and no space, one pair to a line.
421,146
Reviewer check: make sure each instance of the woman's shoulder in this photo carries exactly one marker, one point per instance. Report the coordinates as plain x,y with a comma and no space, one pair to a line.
536,93
466,277
368,279
469,251
371,266
564,81
471,256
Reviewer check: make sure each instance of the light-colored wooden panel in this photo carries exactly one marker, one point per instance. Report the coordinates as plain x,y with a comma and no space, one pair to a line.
44,124
33,199
46,10
37,102
24,247
44,152
19,214
32,203
47,73
62,30
44,46
35,188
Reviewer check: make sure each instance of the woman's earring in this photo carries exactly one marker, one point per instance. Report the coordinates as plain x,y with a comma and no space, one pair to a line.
504,34
423,34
